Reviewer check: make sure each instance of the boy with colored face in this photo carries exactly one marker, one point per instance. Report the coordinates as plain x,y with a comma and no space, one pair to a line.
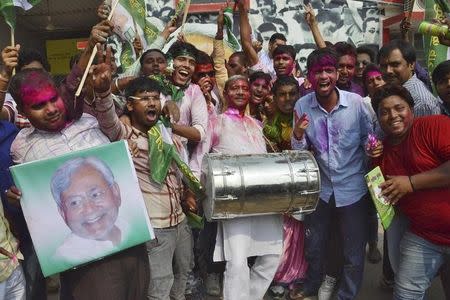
346,68
335,125
416,164
54,124
187,95
259,91
234,132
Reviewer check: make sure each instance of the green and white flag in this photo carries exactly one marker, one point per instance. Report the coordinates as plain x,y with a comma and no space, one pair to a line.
434,51
162,153
8,10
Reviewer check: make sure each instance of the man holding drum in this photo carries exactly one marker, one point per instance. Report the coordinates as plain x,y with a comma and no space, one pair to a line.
233,132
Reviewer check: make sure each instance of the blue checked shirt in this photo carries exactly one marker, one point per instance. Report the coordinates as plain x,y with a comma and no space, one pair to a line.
337,140
425,103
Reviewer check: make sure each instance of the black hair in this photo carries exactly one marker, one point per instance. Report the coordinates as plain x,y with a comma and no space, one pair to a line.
267,27
35,78
142,84
141,59
407,50
203,58
344,48
180,48
369,68
319,54
299,47
27,56
242,57
277,36
367,50
284,49
279,22
284,80
366,20
440,72
330,15
259,75
389,90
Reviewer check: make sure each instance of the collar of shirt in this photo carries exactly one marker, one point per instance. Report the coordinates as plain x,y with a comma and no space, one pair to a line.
233,112
342,101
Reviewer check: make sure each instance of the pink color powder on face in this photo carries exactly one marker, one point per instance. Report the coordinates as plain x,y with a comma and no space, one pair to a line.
373,74
324,62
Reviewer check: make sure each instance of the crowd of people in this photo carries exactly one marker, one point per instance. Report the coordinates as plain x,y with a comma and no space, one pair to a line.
256,101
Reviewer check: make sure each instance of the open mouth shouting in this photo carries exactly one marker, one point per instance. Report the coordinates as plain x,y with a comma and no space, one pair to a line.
152,115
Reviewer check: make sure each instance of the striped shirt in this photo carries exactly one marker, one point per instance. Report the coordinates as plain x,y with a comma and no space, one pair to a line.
425,103
9,243
163,201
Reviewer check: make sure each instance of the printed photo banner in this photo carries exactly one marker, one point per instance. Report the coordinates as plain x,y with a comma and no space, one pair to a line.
82,206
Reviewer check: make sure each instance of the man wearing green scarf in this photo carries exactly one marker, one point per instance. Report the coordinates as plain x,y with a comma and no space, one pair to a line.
160,170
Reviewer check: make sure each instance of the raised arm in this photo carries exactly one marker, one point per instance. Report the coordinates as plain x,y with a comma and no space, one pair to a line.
10,58
103,104
310,18
218,54
246,32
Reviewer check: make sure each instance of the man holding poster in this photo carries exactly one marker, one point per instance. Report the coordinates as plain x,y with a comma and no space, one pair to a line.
55,131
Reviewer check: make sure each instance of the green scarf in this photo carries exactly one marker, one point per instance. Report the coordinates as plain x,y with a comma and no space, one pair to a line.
273,130
168,88
162,152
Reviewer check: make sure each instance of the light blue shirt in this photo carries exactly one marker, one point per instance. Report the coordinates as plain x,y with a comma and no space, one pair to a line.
337,140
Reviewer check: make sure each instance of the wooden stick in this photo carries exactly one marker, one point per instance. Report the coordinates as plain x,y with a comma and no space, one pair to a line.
186,10
13,43
94,53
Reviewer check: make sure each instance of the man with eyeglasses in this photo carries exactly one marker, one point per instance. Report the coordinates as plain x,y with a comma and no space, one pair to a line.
88,199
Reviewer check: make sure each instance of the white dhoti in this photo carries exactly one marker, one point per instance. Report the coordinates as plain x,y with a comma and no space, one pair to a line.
240,238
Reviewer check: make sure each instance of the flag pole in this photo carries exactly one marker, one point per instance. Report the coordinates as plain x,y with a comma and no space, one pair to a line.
94,53
186,10
13,43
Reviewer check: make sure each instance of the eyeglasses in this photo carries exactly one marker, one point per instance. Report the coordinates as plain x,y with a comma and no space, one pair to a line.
146,98
95,196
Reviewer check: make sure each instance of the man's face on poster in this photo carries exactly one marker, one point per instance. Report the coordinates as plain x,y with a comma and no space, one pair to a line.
90,205
266,35
372,32
302,57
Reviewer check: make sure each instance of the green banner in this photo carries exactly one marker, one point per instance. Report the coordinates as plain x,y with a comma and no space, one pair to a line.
434,51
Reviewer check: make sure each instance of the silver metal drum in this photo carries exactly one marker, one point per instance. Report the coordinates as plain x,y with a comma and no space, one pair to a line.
258,184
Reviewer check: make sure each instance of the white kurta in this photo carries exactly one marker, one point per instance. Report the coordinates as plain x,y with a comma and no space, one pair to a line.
246,236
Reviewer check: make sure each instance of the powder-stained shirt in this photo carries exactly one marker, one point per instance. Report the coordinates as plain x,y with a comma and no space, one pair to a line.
425,103
163,201
337,139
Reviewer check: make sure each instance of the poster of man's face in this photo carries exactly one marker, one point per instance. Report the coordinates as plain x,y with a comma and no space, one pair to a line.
82,206
88,198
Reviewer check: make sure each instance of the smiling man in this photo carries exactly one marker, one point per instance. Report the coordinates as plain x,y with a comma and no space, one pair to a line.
234,132
346,68
416,164
88,199
334,125
397,60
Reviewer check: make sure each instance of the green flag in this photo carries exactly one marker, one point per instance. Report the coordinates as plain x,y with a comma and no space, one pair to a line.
162,153
434,51
8,10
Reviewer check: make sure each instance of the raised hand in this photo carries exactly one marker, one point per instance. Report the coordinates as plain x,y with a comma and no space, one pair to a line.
101,73
100,33
10,58
300,125
310,16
